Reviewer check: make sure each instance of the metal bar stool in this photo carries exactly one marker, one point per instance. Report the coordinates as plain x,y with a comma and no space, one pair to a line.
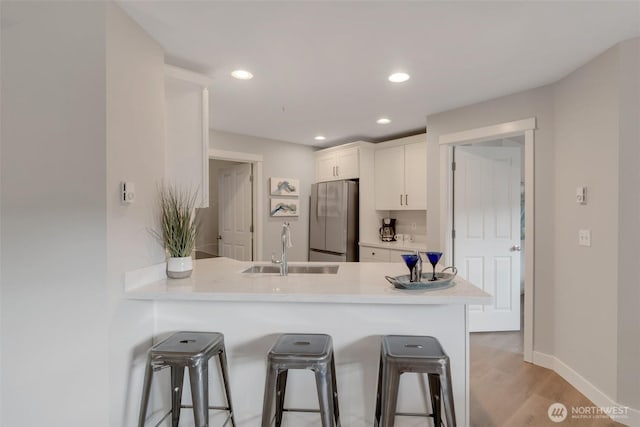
301,351
190,350
419,354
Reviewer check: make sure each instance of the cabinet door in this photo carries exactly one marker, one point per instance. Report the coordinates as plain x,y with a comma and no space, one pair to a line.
415,175
389,178
326,167
187,142
370,254
347,163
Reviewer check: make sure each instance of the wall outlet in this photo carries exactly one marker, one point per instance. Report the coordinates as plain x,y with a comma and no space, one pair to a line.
584,237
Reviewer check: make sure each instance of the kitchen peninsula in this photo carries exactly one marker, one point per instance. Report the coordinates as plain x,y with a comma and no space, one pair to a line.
355,306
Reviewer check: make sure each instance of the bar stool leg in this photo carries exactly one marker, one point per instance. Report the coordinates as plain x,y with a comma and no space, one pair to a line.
177,378
390,382
376,421
434,392
198,376
334,385
447,393
146,390
325,397
269,387
281,387
227,389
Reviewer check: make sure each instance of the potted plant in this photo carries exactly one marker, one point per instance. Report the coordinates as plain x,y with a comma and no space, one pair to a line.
178,230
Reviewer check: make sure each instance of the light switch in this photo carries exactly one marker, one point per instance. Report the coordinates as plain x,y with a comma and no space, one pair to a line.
581,195
584,237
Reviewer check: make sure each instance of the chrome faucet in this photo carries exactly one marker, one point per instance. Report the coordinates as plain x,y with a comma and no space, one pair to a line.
285,240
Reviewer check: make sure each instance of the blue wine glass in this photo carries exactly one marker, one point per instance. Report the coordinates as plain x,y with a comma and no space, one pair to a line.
434,257
410,260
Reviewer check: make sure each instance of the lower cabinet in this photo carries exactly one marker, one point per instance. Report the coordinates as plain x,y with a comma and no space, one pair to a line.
373,254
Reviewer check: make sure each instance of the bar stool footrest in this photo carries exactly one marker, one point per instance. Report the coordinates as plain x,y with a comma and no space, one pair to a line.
317,411
414,414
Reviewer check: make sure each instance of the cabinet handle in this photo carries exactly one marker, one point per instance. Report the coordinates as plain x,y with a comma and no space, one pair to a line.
401,200
333,171
373,253
406,200
337,170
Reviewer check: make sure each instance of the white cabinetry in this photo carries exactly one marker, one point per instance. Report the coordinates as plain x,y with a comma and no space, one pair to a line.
337,163
375,254
401,175
187,131
370,254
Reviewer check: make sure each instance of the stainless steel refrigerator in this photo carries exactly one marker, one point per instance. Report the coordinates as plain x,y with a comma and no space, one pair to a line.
333,221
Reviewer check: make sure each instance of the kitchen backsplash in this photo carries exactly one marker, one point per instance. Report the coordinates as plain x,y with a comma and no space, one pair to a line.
405,221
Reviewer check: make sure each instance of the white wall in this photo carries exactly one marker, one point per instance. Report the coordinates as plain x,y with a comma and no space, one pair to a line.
532,103
586,146
72,130
280,159
628,214
135,152
54,228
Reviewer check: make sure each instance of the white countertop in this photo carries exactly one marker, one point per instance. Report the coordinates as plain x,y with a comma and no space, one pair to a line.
398,246
221,279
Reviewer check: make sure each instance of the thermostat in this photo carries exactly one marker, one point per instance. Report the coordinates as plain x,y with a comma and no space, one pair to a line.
127,192
581,195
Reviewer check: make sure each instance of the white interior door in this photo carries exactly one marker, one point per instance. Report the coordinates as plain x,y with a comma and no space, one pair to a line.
234,212
487,231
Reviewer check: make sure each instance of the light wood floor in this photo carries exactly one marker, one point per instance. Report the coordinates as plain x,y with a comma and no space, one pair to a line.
506,391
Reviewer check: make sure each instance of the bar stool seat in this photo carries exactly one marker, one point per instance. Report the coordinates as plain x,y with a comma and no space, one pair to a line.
190,350
418,354
301,351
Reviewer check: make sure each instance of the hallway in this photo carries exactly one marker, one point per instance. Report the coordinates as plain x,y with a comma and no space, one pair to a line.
506,391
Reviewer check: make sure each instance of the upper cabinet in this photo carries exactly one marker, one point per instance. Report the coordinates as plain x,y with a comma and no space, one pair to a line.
401,174
337,163
187,131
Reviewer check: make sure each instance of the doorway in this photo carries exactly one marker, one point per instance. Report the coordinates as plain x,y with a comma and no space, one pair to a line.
234,209
208,242
486,241
523,129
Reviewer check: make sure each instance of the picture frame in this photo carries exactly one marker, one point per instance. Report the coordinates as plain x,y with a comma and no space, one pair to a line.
284,207
284,186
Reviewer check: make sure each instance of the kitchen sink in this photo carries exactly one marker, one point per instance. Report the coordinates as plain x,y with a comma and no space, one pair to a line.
294,269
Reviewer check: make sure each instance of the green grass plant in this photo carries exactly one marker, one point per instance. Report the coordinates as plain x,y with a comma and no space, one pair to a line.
177,220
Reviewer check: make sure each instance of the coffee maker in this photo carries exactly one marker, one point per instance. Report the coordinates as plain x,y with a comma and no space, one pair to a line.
388,230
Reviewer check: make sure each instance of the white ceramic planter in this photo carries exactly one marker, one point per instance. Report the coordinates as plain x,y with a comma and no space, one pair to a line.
179,267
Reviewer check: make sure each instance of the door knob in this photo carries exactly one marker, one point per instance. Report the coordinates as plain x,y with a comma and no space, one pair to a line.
515,248
219,237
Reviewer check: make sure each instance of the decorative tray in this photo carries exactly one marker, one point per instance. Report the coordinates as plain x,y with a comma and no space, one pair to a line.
445,280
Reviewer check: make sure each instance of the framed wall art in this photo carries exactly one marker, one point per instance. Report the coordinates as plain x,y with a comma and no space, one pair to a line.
284,186
285,207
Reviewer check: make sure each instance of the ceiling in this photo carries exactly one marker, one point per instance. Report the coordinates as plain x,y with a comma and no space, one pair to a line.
322,67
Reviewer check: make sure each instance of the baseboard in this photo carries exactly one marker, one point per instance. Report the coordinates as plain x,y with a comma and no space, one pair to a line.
599,398
544,360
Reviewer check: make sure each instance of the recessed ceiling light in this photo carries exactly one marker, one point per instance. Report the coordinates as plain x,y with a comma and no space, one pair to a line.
383,121
241,74
398,77
320,138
